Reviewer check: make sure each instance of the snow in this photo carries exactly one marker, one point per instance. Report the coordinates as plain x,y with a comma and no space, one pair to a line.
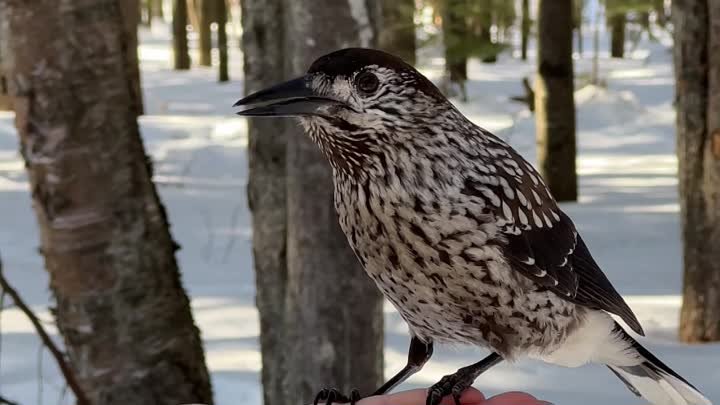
628,215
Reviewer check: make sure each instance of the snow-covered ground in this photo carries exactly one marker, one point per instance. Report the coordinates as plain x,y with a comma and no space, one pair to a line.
628,214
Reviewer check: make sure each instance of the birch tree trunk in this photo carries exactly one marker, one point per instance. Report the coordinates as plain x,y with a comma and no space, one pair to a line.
554,99
697,72
264,55
120,305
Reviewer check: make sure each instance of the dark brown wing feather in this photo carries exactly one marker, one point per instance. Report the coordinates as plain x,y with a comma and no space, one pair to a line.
542,242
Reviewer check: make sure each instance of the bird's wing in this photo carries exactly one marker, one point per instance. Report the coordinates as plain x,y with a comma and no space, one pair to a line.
542,242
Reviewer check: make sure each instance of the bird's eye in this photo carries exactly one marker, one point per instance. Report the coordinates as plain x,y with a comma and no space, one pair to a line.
367,82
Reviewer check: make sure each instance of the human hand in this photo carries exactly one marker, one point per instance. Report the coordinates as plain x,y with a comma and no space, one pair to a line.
471,396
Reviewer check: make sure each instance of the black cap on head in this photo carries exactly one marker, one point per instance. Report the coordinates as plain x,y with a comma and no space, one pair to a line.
347,61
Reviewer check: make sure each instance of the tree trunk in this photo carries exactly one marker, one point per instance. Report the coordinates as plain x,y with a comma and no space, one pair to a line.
697,72
205,19
579,6
264,55
120,305
397,29
157,9
455,30
180,43
481,26
147,12
525,29
554,100
595,72
311,292
333,311
5,100
222,14
617,35
130,16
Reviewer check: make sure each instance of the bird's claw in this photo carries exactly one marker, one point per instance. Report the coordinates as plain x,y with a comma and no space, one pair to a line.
328,396
453,384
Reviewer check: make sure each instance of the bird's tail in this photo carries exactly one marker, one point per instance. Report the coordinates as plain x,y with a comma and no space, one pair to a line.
651,379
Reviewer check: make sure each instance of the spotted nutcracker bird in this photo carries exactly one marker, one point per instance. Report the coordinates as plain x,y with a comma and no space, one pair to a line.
458,231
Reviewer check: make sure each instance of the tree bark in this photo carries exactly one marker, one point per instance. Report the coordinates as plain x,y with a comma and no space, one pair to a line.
205,18
333,310
264,55
120,305
320,316
146,13
525,29
397,29
130,16
697,72
455,30
222,14
617,35
157,9
5,101
579,7
180,43
554,99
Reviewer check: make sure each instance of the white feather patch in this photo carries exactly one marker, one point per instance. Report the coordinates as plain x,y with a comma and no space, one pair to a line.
594,341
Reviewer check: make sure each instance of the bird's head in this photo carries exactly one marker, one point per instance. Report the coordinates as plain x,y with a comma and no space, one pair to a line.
354,103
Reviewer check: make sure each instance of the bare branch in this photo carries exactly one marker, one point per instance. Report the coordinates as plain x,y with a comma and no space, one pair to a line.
47,341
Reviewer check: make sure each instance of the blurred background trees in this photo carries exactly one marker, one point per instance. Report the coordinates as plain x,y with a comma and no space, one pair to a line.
397,36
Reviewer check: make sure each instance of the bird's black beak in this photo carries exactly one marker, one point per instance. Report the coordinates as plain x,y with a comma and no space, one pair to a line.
290,99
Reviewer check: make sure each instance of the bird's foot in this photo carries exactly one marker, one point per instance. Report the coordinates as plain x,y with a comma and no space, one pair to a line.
328,396
451,384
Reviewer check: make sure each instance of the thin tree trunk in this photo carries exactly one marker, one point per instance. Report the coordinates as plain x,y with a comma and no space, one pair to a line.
157,8
397,29
554,99
617,35
148,13
455,31
222,14
482,26
333,310
697,71
120,305
525,29
264,55
579,7
205,18
130,16
595,72
5,100
180,43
